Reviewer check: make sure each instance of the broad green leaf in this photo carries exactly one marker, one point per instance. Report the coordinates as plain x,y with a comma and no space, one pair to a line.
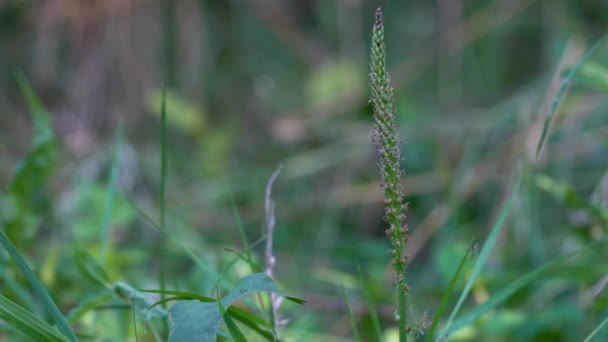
27,323
39,289
252,321
483,257
194,321
90,268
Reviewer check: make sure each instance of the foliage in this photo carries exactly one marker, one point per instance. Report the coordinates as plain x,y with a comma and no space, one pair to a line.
137,136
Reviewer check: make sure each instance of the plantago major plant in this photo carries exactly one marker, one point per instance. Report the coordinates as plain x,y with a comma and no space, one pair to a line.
386,143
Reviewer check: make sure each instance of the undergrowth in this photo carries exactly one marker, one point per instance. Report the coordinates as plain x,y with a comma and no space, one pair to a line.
240,300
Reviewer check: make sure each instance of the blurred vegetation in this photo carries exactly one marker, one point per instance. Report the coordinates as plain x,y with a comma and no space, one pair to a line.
259,83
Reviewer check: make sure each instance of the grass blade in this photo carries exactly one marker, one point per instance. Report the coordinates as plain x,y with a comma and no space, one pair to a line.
246,247
446,295
39,289
109,201
350,315
87,305
163,183
506,292
27,323
483,257
562,89
233,329
370,305
596,330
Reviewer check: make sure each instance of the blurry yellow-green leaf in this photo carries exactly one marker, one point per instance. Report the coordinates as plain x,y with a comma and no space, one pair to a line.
182,114
593,74
335,80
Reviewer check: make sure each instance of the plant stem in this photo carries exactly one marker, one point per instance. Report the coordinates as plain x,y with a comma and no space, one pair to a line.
386,143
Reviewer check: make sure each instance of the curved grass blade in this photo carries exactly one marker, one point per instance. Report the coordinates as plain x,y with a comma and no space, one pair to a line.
27,323
562,89
233,329
252,321
88,305
370,305
353,323
506,292
183,294
111,190
88,267
596,330
38,288
246,246
447,294
483,257
199,262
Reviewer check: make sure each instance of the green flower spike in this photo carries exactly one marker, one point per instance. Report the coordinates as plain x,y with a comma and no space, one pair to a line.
386,143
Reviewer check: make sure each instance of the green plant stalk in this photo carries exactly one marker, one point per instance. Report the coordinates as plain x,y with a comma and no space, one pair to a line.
386,143
163,182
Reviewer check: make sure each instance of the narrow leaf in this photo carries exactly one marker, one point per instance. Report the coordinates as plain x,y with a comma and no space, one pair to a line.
351,317
483,257
447,294
234,331
27,323
596,330
39,289
88,305
506,292
110,191
562,89
88,267
370,305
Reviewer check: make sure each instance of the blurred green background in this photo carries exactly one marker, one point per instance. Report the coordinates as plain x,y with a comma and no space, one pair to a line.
258,83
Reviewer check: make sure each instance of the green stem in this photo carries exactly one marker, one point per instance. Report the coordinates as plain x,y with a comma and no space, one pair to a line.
402,311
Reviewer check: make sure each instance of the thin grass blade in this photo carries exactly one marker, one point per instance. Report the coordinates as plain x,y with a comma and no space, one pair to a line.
483,256
38,288
246,247
596,330
447,294
110,191
27,323
562,90
370,305
506,292
351,317
233,329
163,183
